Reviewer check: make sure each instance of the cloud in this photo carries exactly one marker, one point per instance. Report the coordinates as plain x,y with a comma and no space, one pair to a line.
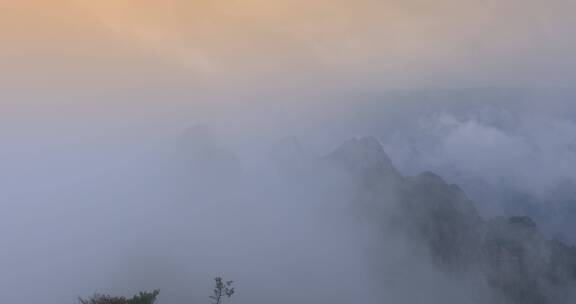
493,152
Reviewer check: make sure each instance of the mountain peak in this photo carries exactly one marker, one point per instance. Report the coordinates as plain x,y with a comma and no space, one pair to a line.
361,152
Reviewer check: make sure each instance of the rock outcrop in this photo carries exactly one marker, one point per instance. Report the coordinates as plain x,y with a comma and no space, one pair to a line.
510,254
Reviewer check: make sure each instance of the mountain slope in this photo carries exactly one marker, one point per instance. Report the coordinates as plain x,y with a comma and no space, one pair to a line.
509,254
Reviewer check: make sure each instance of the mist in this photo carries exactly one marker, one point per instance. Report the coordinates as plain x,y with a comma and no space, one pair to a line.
87,210
126,204
326,152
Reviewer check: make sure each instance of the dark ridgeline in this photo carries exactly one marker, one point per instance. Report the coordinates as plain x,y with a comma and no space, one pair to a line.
510,254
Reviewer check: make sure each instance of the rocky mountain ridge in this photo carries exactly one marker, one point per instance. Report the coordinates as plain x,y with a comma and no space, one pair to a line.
510,254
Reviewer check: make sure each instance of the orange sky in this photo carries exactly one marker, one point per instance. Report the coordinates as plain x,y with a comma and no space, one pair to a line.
146,66
401,43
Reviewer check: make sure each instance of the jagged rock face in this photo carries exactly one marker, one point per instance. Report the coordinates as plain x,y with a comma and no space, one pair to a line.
525,267
425,207
443,217
364,160
509,254
364,154
514,256
368,174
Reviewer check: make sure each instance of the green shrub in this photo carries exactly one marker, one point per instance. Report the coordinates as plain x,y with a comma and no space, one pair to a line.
141,298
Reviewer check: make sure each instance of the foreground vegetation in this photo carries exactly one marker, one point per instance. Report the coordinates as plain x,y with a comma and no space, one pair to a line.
222,289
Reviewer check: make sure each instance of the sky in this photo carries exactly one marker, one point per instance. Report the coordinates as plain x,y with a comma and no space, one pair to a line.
391,44
71,60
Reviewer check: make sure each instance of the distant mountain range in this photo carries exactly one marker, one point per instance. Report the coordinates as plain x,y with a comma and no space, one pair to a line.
510,254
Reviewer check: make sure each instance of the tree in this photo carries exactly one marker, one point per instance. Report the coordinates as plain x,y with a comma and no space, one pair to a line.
221,289
140,298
